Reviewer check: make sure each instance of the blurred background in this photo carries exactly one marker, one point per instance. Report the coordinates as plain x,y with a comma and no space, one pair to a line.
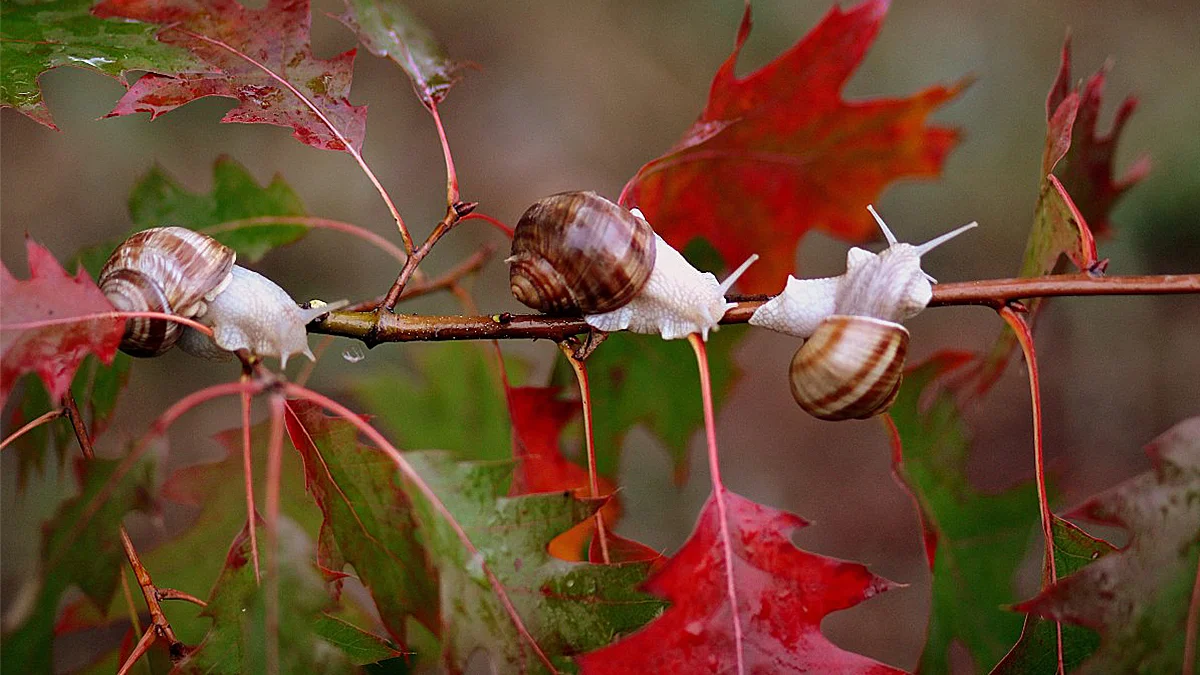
578,96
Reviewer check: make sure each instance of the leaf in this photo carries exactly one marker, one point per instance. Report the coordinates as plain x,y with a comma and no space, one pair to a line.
538,418
368,520
783,594
158,200
54,352
389,30
454,401
265,62
1086,169
1075,163
80,547
778,152
568,607
236,643
38,35
1137,598
974,541
1037,650
637,379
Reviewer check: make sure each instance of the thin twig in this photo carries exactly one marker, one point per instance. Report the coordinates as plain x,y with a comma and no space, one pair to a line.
248,479
314,222
374,328
454,213
585,397
37,422
160,627
174,594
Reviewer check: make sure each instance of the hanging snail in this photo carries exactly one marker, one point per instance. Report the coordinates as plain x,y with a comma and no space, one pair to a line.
852,360
577,252
178,271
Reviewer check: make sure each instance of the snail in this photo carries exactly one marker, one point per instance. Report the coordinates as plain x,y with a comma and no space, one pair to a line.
577,252
852,360
178,271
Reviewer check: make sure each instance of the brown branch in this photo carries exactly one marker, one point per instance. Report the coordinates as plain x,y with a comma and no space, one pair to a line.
445,281
376,327
454,213
160,627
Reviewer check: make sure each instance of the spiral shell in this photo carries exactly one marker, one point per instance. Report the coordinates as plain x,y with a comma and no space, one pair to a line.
577,252
850,368
166,269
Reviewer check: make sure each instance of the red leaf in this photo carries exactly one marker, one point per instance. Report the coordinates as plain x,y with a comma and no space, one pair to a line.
266,63
55,351
778,153
783,594
1086,170
538,417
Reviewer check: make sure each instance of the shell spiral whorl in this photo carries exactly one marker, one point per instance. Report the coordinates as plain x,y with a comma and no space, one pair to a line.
166,269
850,368
577,252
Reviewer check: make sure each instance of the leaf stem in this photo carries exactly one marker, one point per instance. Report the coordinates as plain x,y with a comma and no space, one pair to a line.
37,422
316,223
718,486
451,174
1025,338
585,398
248,476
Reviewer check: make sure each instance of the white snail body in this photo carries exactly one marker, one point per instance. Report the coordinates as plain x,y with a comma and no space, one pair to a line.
178,271
601,257
852,362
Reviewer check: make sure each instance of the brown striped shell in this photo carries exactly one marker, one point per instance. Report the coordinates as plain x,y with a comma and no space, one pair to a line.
166,269
577,252
850,368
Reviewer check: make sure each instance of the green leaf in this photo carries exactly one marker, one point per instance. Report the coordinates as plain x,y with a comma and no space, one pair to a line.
1037,650
975,541
389,30
642,379
36,36
453,401
80,547
1138,598
368,520
237,641
158,200
568,607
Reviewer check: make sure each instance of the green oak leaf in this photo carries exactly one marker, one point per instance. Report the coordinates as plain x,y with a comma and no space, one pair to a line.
453,401
38,35
309,641
568,607
389,30
80,547
368,521
975,541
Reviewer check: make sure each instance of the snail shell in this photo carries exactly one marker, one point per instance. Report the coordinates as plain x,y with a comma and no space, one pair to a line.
850,368
171,270
577,252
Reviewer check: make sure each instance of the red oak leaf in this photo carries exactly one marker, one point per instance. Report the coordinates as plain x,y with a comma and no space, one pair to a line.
52,351
783,594
538,417
1086,170
266,63
778,153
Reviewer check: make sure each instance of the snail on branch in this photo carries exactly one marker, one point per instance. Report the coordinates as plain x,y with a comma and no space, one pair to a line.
178,271
852,360
577,252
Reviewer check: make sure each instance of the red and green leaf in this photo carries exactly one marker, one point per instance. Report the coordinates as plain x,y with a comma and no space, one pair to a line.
39,35
778,153
783,595
264,61
1138,597
53,351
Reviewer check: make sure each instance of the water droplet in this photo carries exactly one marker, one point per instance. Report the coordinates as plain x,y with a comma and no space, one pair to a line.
474,568
354,355
694,627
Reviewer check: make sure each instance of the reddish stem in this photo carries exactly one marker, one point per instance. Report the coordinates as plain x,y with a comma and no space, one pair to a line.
173,594
499,225
417,481
308,221
1025,338
37,422
451,174
79,318
349,147
248,475
139,650
585,397
1193,627
274,478
714,468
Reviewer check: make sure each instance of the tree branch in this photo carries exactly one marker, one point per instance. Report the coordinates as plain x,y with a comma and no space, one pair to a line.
377,327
